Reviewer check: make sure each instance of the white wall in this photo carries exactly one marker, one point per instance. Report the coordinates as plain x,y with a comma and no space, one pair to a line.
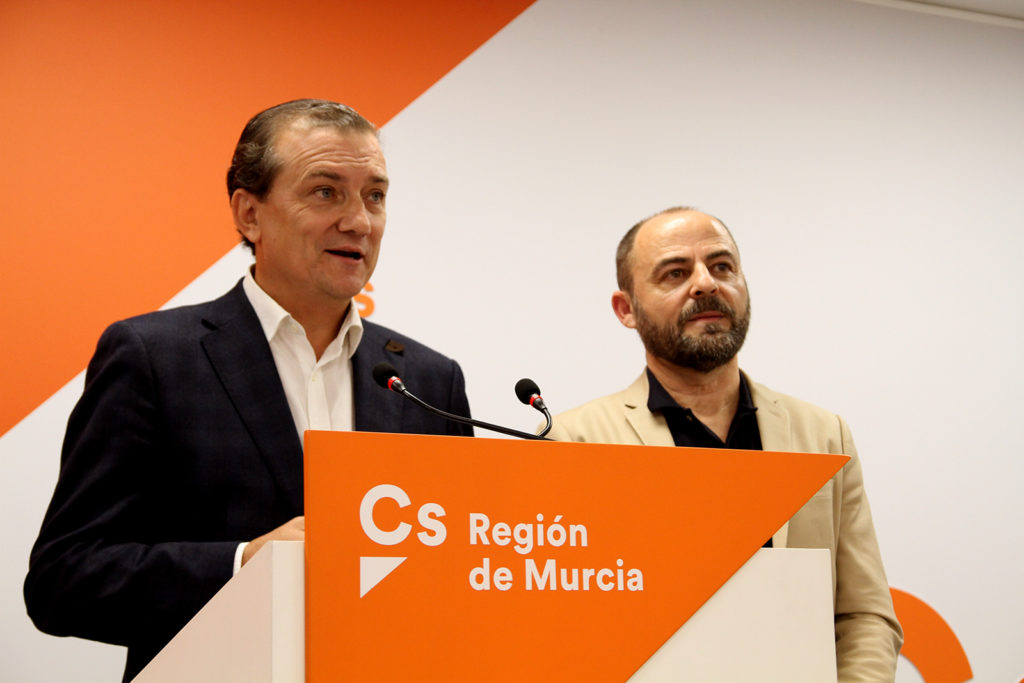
869,163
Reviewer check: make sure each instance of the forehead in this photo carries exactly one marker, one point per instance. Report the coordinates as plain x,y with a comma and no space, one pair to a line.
688,234
302,149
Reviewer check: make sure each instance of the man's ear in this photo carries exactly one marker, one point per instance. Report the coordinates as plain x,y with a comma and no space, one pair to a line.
622,304
244,209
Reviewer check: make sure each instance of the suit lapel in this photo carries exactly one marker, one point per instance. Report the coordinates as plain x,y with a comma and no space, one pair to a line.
237,348
651,429
773,423
772,420
376,408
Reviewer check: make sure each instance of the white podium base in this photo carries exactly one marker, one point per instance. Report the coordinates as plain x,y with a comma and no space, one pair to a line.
252,631
772,621
746,631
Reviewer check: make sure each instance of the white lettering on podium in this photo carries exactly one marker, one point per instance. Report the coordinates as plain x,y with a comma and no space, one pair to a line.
370,528
526,535
435,531
480,577
428,516
576,578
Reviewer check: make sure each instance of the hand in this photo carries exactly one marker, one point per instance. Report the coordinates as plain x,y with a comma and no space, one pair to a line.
292,530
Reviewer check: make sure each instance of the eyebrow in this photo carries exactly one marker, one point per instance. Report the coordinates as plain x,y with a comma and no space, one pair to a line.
337,177
686,260
330,175
720,253
673,261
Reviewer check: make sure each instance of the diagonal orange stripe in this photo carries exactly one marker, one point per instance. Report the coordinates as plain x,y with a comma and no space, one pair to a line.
119,121
929,643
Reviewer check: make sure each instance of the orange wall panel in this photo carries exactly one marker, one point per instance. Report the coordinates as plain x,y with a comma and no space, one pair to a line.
119,123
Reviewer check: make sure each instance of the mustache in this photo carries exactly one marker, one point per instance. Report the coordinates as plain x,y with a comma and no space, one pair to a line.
705,304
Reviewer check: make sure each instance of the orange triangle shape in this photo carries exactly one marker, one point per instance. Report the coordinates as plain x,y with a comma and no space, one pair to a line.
650,534
159,92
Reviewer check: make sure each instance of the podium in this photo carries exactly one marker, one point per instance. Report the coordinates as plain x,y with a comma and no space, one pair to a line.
771,622
252,630
417,566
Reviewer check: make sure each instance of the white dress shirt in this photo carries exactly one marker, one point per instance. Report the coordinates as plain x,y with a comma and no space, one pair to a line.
319,391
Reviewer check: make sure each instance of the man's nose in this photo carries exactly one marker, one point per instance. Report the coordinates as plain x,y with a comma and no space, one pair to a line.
354,217
703,282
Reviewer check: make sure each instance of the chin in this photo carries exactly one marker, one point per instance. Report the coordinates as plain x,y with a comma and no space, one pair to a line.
343,290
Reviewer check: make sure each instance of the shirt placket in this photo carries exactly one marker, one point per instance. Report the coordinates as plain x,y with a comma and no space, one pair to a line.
316,399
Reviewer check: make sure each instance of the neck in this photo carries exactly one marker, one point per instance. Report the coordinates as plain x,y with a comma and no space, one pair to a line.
711,396
321,327
320,319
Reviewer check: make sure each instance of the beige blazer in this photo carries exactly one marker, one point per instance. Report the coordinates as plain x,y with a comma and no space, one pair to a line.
837,517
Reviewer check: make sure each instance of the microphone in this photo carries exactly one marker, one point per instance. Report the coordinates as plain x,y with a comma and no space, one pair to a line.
386,376
529,393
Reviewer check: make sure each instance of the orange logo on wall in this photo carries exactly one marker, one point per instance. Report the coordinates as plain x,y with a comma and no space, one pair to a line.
365,302
929,643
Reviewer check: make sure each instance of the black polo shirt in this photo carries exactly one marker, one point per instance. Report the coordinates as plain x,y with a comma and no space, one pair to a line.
688,430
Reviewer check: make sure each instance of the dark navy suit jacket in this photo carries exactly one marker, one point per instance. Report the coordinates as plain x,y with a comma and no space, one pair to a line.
182,446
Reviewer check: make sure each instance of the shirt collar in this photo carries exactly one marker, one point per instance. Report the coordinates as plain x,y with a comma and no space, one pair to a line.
273,316
658,399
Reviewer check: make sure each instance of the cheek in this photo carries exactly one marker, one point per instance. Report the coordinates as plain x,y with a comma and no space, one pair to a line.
738,296
377,234
676,303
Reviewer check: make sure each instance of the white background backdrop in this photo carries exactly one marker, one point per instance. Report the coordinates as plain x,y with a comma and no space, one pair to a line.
869,163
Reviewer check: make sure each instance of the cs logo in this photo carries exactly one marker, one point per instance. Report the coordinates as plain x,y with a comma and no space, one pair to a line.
372,569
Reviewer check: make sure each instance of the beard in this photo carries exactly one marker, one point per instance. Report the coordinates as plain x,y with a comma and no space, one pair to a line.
712,348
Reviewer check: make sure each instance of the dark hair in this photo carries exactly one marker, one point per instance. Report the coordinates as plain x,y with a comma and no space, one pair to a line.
623,266
254,164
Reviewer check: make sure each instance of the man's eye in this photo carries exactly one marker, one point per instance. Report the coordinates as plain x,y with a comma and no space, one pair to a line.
723,267
324,192
377,196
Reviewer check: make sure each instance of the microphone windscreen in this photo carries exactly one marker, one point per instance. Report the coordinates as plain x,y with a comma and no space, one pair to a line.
382,372
526,389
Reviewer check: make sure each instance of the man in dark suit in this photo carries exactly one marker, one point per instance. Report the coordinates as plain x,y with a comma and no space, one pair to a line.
183,456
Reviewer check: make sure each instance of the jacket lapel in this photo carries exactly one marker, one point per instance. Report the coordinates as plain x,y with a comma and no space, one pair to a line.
237,348
376,408
773,423
651,429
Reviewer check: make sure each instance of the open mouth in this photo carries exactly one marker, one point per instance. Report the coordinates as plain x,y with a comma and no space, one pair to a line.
345,253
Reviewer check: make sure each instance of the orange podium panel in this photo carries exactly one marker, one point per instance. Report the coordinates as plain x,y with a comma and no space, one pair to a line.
469,559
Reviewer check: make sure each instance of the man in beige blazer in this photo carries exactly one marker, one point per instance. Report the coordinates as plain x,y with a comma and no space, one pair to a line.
682,288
